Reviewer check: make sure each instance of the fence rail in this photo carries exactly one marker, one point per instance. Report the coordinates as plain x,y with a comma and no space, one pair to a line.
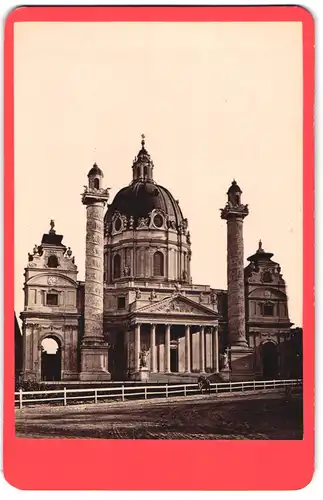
124,392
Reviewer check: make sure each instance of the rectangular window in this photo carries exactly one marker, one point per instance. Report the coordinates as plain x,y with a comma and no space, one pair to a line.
52,299
121,302
268,309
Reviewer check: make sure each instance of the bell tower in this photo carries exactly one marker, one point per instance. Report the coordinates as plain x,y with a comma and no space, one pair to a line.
234,213
94,350
50,319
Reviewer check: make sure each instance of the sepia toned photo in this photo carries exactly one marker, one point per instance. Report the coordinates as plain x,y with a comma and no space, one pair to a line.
158,230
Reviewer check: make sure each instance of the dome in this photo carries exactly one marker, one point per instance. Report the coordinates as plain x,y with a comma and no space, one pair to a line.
95,170
234,188
140,198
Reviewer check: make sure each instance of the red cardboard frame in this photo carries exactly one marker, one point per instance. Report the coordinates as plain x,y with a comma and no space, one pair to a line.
160,465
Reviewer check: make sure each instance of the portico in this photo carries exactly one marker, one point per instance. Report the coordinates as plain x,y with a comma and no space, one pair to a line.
184,340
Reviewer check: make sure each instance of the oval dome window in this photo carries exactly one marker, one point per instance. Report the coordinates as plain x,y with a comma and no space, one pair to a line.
117,224
158,220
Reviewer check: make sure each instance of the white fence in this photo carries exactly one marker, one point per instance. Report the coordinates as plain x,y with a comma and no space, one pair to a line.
122,393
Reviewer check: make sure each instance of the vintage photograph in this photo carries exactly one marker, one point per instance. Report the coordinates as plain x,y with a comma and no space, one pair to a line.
158,230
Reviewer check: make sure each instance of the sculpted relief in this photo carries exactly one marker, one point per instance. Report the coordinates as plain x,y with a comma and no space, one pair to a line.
174,306
95,212
95,238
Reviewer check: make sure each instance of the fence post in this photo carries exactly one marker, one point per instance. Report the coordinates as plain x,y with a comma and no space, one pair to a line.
95,396
216,388
20,398
64,396
122,392
184,390
166,390
242,386
274,384
230,386
145,392
254,385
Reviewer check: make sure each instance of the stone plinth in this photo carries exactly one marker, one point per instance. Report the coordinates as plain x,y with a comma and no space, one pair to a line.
142,375
94,363
242,363
225,374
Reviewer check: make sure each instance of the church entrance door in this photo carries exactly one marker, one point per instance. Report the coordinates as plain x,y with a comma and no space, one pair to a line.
51,359
174,359
270,363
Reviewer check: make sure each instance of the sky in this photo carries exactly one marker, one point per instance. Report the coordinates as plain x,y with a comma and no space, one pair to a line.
216,101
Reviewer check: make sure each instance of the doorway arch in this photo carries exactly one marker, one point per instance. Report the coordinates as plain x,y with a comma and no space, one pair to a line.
270,360
51,358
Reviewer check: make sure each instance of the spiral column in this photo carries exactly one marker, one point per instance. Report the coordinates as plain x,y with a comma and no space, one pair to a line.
94,349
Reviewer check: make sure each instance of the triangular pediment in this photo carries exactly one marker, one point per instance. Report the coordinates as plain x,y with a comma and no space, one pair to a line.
178,305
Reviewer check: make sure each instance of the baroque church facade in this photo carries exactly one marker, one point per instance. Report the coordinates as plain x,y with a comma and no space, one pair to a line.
138,314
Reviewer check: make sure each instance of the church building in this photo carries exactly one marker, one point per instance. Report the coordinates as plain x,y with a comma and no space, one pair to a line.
138,315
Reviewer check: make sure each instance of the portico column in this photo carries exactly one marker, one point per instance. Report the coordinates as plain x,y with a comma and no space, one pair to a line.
187,349
202,354
167,349
137,347
216,349
153,366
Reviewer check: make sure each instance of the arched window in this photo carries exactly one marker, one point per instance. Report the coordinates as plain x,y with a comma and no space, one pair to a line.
52,261
117,266
158,264
96,184
145,171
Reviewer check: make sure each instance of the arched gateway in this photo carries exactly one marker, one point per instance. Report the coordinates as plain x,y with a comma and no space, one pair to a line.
51,358
270,361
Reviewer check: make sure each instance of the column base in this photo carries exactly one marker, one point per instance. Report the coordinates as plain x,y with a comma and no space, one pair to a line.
242,363
94,362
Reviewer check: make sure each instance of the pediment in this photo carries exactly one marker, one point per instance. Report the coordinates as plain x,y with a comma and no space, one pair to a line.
178,305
